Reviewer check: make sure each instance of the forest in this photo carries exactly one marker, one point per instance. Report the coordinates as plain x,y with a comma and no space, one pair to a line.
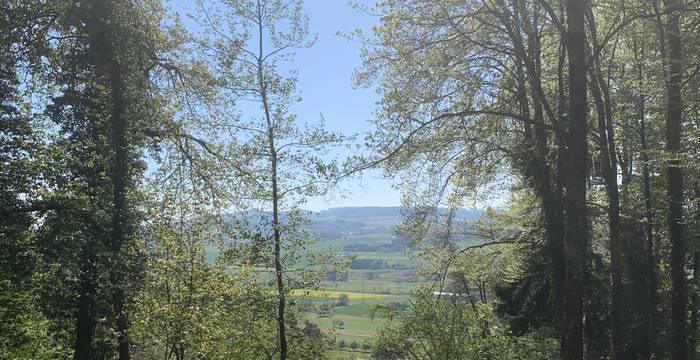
155,177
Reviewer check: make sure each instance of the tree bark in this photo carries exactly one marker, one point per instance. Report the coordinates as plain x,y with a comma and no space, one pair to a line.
608,165
674,176
576,219
649,255
85,316
694,303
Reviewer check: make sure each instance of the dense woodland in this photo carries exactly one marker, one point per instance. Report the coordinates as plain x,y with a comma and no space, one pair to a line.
133,140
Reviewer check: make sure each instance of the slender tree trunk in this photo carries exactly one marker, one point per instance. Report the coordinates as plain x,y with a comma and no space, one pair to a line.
650,257
674,175
576,219
538,169
608,167
276,225
608,164
278,256
551,206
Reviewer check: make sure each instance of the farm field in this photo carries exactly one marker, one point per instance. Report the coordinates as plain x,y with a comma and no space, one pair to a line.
352,324
358,324
349,355
382,271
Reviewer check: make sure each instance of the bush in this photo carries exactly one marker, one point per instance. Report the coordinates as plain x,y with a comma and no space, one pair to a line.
338,324
342,344
343,300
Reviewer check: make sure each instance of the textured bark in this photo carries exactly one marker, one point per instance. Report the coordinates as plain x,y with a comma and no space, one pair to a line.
674,189
576,219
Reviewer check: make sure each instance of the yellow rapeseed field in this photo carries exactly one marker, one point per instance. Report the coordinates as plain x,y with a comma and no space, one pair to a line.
352,295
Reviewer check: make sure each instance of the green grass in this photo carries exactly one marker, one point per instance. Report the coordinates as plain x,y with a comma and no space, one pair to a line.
348,355
371,286
354,325
357,310
359,324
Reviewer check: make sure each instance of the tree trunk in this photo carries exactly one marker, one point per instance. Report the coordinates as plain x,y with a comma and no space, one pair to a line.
608,169
649,255
538,170
674,175
120,179
551,205
85,316
278,260
119,172
576,219
276,225
103,39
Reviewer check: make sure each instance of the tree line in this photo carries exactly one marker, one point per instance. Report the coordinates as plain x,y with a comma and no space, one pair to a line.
151,181
591,108
153,177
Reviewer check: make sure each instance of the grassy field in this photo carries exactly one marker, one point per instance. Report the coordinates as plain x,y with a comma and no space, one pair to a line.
349,355
371,286
359,325
333,294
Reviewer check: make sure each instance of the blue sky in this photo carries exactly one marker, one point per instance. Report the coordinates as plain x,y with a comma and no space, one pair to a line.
325,82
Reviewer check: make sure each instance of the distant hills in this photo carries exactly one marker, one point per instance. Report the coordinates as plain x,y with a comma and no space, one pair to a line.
359,229
386,212
368,228
364,228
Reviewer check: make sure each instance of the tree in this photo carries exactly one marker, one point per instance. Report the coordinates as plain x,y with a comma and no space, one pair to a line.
190,302
102,66
576,220
26,332
277,159
343,299
470,91
325,310
338,324
366,345
465,123
675,183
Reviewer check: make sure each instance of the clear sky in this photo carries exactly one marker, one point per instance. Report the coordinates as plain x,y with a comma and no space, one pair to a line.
325,81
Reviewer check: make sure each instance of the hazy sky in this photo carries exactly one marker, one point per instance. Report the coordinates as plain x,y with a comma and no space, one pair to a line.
325,81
